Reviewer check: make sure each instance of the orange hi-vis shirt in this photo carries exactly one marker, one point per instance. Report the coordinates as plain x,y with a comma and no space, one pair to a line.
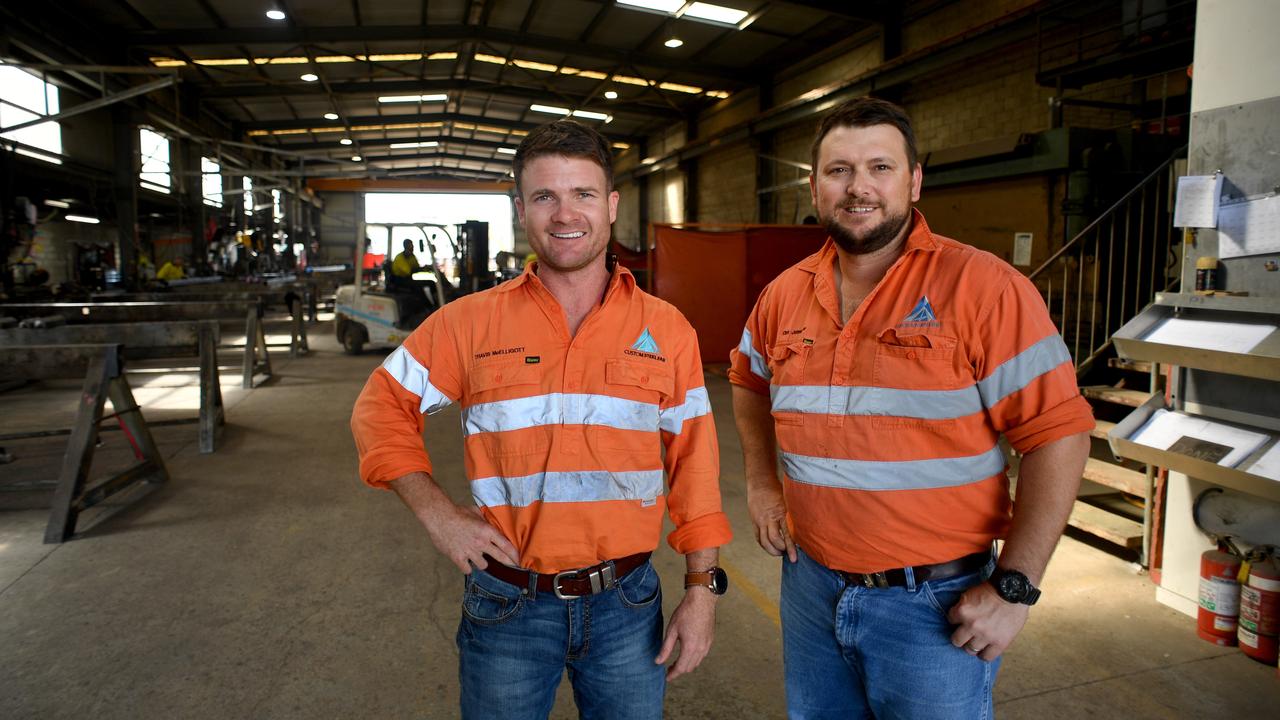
564,436
888,427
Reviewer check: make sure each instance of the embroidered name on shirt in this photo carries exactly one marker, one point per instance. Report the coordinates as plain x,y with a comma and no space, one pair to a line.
497,353
532,359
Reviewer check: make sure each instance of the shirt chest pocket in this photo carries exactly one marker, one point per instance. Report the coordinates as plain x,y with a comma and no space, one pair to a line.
625,418
787,362
915,361
507,410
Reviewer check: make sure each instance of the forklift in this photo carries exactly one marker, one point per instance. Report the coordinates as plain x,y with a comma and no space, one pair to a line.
377,311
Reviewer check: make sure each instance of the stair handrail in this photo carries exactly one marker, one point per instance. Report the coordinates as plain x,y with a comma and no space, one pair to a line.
1177,154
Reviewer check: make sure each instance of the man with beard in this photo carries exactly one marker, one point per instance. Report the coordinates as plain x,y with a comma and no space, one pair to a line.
883,370
580,393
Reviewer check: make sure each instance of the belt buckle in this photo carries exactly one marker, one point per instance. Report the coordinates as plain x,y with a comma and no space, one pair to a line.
601,579
875,580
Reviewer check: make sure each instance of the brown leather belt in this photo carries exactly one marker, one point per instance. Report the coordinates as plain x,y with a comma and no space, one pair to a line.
898,576
569,584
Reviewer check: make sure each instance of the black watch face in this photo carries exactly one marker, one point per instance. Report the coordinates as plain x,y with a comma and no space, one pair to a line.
719,581
1013,587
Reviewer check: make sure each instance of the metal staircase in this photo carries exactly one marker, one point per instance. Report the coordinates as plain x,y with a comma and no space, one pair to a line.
1099,280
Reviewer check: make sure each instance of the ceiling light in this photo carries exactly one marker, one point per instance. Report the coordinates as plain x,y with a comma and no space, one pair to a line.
715,13
356,158
344,141
57,204
667,6
275,14
403,145
413,98
507,151
674,42
310,77
593,115
649,161
611,94
550,110
331,116
83,219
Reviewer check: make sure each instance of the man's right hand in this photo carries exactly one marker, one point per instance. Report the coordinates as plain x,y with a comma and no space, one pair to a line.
460,533
768,511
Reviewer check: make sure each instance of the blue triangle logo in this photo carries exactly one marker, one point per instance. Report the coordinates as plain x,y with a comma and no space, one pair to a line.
646,343
923,311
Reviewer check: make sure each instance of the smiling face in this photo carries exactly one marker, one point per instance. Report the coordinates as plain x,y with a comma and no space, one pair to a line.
566,209
863,186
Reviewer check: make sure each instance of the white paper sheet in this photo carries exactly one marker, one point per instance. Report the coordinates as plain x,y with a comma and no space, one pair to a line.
1249,228
1166,429
1268,465
1197,203
1209,334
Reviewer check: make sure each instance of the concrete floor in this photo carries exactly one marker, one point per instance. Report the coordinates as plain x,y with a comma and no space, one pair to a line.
264,581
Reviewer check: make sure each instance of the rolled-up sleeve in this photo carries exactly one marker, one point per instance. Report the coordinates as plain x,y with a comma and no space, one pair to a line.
1026,378
420,377
692,460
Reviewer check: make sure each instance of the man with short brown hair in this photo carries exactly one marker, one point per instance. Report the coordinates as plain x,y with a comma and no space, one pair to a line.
883,370
580,393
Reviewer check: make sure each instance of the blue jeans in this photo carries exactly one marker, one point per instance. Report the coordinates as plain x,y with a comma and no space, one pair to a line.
514,646
857,652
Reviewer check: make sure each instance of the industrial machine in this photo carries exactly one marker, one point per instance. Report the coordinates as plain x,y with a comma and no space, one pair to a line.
380,311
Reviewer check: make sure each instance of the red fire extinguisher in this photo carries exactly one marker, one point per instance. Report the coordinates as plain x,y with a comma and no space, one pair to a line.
1219,597
1260,609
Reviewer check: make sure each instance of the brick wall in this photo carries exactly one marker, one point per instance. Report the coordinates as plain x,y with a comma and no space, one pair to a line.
727,185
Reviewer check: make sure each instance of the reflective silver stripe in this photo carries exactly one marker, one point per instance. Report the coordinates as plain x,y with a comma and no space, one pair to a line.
901,475
758,364
696,404
559,409
1020,370
583,486
413,376
866,400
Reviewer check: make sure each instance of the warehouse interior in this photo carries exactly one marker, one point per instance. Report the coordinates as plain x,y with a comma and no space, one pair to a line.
201,200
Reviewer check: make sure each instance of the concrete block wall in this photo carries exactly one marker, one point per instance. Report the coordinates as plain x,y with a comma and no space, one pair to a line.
727,185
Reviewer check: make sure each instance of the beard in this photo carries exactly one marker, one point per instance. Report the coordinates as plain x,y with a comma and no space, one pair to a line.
870,240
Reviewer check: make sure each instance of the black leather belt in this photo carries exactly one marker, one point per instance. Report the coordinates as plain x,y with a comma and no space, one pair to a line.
569,584
897,577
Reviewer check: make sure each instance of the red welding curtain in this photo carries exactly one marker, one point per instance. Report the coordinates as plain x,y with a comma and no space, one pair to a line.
714,277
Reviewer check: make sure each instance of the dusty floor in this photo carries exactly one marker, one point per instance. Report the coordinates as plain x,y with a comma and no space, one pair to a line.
264,581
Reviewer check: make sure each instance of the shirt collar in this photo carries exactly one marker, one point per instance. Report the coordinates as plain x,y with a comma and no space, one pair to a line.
530,277
920,238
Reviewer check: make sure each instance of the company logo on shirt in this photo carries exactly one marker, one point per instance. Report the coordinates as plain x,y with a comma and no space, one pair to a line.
646,343
921,315
645,346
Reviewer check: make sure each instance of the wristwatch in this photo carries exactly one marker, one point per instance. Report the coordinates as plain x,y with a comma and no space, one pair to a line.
713,578
1014,587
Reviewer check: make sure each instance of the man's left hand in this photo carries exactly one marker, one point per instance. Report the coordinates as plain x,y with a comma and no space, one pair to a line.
692,625
985,624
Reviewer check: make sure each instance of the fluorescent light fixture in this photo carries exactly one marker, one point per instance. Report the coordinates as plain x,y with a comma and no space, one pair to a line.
440,97
550,110
588,114
310,77
404,145
275,14
331,116
83,219
674,42
356,158
611,94
666,6
36,155
507,151
344,141
715,13
57,204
